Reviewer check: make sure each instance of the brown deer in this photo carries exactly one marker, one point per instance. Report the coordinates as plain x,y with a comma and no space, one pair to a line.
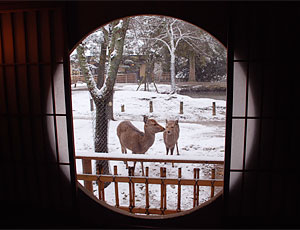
138,142
171,135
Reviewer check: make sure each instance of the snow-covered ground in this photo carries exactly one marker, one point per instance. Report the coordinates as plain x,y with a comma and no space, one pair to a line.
201,135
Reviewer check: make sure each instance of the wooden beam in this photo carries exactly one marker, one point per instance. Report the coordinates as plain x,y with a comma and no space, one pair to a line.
128,157
150,210
136,179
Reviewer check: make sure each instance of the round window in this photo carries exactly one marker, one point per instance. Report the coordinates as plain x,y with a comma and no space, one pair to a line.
149,102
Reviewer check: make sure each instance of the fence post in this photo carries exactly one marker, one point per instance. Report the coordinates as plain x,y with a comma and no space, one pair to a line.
179,190
163,194
91,104
147,191
122,108
213,176
214,108
181,107
131,189
101,186
150,106
87,169
197,186
116,186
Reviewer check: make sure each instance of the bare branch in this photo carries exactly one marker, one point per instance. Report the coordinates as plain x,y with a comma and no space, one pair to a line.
92,86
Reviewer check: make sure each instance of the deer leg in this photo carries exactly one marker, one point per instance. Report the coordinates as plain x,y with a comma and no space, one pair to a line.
124,151
172,150
167,150
177,148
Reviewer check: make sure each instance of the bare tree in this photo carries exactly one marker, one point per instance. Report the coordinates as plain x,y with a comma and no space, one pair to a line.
169,32
153,35
101,96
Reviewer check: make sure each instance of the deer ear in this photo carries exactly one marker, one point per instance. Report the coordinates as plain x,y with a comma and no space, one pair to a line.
166,121
145,119
176,122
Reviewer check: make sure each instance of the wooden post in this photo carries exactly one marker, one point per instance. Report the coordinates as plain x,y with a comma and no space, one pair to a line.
87,169
116,186
147,191
122,108
92,104
213,176
150,106
181,107
163,192
165,189
131,189
197,186
101,186
214,108
179,190
194,200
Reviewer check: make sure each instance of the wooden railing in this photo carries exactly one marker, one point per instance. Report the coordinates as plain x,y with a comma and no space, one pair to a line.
131,179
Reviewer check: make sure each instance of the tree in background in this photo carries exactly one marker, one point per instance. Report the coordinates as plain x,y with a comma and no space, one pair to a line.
156,35
101,96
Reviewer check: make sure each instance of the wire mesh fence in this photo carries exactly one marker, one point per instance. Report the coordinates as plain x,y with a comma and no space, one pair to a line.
101,113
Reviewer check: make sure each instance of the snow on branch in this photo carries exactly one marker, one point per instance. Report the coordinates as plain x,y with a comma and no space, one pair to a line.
119,25
85,69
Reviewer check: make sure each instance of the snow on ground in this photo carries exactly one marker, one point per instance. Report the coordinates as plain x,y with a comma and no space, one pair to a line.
165,106
201,134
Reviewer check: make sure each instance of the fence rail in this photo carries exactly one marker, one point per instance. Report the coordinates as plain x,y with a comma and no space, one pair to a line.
131,179
142,158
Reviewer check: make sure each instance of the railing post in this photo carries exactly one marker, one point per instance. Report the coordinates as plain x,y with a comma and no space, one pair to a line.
87,169
116,186
213,176
131,189
147,191
194,200
163,197
179,190
197,185
100,185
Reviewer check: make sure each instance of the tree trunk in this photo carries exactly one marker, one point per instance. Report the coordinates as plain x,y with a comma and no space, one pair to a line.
100,140
192,74
172,69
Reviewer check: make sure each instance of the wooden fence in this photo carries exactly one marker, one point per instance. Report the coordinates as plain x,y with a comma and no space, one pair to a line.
121,78
131,179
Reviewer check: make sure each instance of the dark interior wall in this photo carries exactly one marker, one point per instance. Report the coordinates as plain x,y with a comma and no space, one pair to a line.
263,161
210,16
36,145
261,136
